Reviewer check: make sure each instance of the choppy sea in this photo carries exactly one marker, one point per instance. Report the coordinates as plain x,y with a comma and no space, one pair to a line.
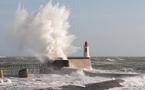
129,69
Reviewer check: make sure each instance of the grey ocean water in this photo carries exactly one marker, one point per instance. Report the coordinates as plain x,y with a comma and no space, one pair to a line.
108,70
124,64
129,69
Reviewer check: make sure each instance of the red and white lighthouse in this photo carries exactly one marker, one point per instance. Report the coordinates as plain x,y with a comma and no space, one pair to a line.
86,49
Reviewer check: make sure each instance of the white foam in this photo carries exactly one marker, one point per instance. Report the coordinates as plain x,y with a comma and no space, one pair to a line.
111,60
5,81
113,71
132,83
43,32
77,78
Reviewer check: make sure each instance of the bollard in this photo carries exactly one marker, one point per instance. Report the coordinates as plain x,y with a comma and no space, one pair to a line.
1,74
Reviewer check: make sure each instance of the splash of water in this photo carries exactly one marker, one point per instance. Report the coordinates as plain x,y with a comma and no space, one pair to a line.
44,31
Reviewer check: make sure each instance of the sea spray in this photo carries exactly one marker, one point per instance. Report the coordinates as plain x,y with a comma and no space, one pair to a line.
44,32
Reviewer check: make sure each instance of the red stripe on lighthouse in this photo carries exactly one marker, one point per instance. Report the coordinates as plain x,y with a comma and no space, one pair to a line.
86,44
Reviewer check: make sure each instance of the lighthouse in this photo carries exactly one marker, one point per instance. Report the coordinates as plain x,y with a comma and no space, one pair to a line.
86,49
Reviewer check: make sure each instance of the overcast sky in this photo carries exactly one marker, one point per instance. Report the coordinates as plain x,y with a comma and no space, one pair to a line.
112,27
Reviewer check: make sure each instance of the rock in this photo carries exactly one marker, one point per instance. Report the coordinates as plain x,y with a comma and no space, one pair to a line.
23,73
